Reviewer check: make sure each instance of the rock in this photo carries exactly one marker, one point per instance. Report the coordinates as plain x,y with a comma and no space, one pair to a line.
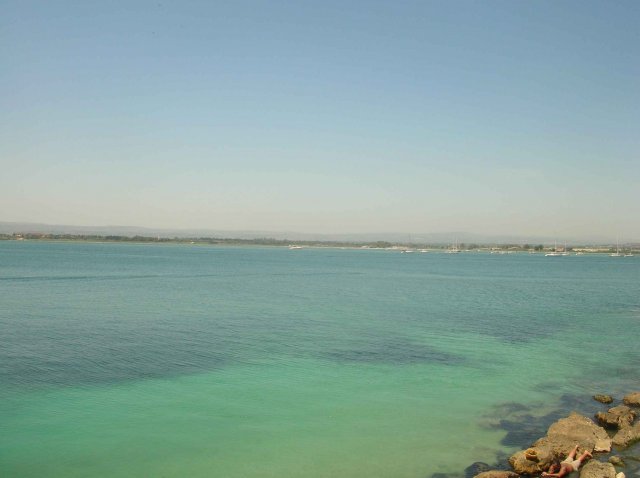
620,475
617,417
522,466
603,398
476,468
564,434
497,474
561,437
627,436
531,454
615,460
633,399
597,469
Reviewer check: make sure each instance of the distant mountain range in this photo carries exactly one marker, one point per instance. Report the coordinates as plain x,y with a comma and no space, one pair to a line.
416,238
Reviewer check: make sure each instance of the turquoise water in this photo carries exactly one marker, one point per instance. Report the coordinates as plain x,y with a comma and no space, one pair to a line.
124,360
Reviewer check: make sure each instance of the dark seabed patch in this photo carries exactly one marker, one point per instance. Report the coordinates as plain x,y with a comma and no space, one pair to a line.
45,355
393,351
523,425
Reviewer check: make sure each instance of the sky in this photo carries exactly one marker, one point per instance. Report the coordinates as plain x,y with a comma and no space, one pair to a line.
492,117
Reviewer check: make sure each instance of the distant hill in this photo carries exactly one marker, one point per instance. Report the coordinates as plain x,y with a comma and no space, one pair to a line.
416,238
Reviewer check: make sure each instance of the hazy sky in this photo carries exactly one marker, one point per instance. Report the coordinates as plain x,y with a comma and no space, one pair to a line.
327,116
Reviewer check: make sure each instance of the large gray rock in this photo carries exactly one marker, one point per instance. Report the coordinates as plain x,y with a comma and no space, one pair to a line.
496,474
633,399
561,437
627,436
597,469
617,417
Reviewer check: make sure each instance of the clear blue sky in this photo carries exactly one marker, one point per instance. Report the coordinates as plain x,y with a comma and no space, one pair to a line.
328,116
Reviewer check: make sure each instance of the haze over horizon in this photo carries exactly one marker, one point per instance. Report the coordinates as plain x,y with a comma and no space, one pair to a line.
323,117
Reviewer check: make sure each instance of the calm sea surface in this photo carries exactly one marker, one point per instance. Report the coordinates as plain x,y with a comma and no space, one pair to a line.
123,360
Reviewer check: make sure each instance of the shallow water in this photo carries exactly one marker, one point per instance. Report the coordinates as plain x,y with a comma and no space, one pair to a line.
121,360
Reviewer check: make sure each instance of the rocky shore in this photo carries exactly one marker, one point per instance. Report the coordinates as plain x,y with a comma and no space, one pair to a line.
608,436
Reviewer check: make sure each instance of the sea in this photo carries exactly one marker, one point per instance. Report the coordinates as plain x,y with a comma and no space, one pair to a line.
187,360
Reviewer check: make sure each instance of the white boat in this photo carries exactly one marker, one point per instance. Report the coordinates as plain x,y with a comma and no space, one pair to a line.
617,253
295,247
454,248
556,252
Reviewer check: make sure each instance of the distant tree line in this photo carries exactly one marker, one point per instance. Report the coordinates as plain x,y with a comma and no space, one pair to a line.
266,241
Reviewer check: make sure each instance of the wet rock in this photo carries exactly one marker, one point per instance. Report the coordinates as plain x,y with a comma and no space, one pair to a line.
620,475
603,398
615,460
632,399
617,417
627,436
597,469
497,474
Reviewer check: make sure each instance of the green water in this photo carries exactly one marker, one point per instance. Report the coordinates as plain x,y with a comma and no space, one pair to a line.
121,360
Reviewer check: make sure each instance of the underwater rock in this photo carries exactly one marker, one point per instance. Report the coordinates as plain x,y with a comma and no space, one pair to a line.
476,469
497,474
603,398
632,399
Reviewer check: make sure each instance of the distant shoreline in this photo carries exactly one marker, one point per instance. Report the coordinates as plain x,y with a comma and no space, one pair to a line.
505,248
